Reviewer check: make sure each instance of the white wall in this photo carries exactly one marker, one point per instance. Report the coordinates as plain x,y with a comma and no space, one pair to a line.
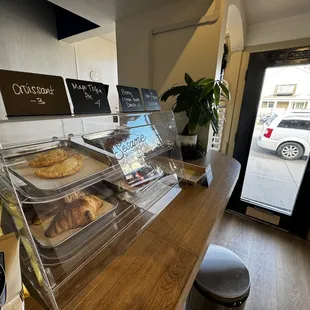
29,43
151,56
135,40
100,55
279,30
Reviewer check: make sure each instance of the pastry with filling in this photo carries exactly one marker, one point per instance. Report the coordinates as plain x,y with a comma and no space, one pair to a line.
68,167
49,158
78,213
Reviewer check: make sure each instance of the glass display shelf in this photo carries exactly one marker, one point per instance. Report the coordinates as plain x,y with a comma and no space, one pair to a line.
78,200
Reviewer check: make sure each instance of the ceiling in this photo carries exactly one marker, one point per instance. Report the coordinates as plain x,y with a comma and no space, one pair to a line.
258,11
106,12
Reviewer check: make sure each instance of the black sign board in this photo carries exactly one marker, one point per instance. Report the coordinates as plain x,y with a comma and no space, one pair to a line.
150,98
31,94
88,97
130,99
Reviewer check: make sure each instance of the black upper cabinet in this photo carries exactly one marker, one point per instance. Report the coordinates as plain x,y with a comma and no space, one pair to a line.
69,24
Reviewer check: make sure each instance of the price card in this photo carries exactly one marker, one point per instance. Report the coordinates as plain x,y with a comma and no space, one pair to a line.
31,94
88,97
150,98
130,99
208,176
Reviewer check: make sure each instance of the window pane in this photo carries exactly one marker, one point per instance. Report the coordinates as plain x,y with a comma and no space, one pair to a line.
284,124
271,118
290,124
282,104
304,125
295,124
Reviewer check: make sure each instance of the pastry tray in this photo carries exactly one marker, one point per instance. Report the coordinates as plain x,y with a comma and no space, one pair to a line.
94,163
38,231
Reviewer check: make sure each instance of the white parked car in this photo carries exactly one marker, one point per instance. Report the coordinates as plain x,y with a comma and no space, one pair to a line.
287,134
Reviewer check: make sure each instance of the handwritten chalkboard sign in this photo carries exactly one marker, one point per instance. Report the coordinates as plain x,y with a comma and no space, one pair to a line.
150,99
31,94
130,99
88,97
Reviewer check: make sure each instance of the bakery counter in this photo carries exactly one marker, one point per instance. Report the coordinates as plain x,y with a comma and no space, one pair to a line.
157,269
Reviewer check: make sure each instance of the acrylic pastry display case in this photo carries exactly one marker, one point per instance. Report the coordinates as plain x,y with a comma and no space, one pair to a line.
78,198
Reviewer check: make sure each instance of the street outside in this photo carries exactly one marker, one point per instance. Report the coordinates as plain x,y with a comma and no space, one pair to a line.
270,179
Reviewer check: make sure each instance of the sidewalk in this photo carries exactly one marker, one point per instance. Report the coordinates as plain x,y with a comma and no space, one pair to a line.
272,180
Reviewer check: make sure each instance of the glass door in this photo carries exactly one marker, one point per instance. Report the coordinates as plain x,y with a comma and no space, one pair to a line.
273,140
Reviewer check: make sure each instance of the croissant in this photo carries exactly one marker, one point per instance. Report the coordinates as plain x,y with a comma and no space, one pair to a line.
77,214
46,210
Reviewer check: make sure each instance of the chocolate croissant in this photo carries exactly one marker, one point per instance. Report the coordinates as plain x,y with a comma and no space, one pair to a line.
77,214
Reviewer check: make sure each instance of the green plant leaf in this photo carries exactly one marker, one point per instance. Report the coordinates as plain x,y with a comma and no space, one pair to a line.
206,81
193,120
173,91
204,118
199,82
180,106
217,92
188,78
206,90
225,90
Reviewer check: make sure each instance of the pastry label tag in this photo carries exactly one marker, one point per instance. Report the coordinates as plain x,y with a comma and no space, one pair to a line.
88,97
130,99
150,98
208,177
31,94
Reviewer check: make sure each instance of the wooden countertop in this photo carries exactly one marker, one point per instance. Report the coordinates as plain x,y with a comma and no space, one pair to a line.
157,270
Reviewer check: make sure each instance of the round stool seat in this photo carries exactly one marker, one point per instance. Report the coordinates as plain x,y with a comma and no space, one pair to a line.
223,277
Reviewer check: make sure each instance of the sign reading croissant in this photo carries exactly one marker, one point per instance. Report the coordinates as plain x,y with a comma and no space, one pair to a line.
31,94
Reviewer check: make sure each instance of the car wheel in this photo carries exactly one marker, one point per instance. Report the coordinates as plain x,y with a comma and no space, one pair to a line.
290,150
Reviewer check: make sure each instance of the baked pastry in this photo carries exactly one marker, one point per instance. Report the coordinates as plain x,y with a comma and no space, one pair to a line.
77,214
49,158
74,196
46,210
118,136
68,167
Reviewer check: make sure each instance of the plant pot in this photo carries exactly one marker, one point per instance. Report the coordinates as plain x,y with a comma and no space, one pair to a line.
188,140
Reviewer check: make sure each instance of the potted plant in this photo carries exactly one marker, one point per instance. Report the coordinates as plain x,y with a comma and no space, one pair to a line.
200,100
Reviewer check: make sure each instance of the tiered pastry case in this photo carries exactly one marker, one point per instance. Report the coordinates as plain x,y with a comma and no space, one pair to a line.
61,254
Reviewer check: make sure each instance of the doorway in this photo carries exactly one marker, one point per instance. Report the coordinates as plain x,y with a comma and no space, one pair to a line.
273,140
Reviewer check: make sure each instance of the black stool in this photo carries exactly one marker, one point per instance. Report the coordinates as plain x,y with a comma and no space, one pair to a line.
223,282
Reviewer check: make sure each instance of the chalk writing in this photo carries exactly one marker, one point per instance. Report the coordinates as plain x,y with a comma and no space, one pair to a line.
150,98
35,90
88,97
130,98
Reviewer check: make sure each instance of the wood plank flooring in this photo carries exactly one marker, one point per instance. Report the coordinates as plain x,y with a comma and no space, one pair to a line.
279,263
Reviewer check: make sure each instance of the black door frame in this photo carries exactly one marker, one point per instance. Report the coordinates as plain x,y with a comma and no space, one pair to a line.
299,221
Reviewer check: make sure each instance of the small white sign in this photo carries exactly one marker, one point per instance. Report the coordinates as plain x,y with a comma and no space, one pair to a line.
208,176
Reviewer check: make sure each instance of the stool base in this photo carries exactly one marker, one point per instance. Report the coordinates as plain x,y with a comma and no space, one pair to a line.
196,301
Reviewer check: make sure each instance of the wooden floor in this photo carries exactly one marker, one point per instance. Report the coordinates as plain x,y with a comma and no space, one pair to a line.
279,263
